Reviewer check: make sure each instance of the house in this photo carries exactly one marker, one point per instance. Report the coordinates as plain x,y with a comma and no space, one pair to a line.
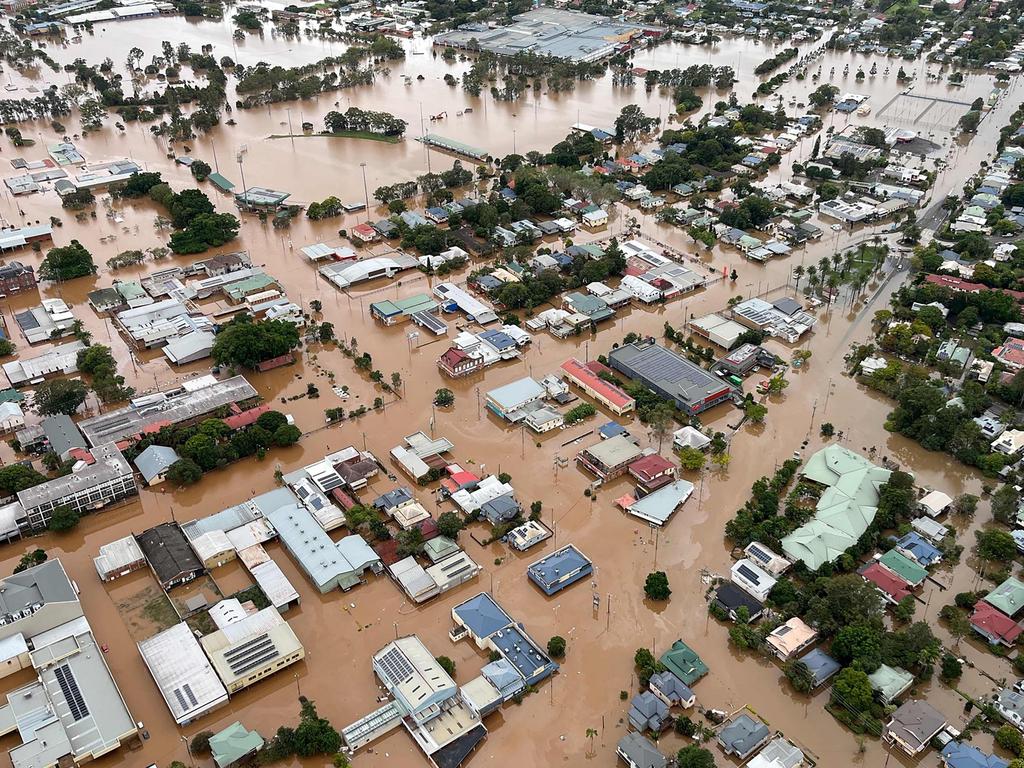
931,530
658,506
730,598
903,567
671,690
821,666
16,277
790,639
1010,705
892,587
169,554
55,361
918,549
913,726
743,736
1009,443
690,437
455,363
778,753
1008,597
890,682
935,503
592,307
563,567
683,662
750,577
119,558
648,713
775,564
637,751
511,402
959,754
609,458
154,462
527,535
595,219
11,417
996,627
234,744
652,472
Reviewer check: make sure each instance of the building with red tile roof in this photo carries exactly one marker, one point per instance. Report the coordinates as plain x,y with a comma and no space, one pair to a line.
652,472
246,418
994,625
1010,353
587,377
893,588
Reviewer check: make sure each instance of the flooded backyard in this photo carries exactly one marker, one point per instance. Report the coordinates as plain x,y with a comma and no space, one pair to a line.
341,631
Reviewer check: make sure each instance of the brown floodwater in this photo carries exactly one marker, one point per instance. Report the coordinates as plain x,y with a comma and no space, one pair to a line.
341,631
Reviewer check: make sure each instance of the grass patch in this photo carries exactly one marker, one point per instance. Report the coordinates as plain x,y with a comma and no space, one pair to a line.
254,593
160,611
368,135
201,623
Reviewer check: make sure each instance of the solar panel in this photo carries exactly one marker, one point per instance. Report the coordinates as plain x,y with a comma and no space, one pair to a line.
73,696
759,554
191,696
181,699
747,573
395,666
256,660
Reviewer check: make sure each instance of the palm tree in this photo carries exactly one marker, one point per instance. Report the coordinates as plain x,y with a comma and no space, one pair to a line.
824,265
812,283
837,259
833,285
798,272
591,733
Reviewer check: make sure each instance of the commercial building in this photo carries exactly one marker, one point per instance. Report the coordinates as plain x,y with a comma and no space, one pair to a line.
563,567
586,377
183,674
52,319
326,564
658,506
56,361
671,376
609,458
104,480
187,403
169,555
119,558
62,435
783,318
512,402
346,274
651,472
245,651
546,31
453,297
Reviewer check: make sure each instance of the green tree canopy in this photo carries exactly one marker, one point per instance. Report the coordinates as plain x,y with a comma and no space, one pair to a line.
60,396
67,262
246,343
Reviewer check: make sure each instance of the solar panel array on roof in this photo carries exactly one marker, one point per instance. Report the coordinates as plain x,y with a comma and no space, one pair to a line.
251,654
186,698
72,694
396,666
758,554
749,574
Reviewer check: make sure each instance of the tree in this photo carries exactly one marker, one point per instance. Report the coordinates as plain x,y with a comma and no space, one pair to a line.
31,560
632,122
661,419
18,477
965,504
410,542
449,524
66,263
271,420
247,343
656,586
444,398
951,668
694,756
859,646
286,434
201,170
184,472
969,122
827,429
799,676
556,647
852,689
314,735
755,412
1010,739
1004,505
841,601
201,743
721,460
63,519
995,546
205,231
904,610
447,665
60,396
691,458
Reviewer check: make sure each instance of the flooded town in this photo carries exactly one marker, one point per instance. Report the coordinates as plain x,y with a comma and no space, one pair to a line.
488,382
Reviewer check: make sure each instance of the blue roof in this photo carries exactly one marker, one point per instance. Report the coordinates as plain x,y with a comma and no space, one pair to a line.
438,212
600,135
548,570
612,429
392,498
508,194
488,282
960,755
497,339
522,653
503,676
482,615
821,665
922,550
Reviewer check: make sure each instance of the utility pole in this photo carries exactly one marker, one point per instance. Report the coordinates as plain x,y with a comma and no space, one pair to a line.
366,195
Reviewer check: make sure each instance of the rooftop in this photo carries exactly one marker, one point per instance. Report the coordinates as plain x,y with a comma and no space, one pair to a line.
550,569
109,465
1008,597
667,371
182,673
482,615
683,662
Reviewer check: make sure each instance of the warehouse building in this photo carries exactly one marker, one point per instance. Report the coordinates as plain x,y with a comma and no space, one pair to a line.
183,674
671,376
245,651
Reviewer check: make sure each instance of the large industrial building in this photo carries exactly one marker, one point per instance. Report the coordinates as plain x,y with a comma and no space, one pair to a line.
670,375
184,675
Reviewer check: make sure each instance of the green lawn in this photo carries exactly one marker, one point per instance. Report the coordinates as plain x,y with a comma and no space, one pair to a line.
341,135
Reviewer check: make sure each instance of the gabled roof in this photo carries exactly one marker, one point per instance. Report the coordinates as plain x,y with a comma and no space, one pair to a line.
482,615
1008,597
683,662
890,682
887,581
958,754
992,622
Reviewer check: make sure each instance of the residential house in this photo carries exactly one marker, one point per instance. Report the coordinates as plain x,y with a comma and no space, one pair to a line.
913,726
743,736
790,639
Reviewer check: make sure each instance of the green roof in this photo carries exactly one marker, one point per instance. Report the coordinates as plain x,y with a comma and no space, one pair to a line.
239,290
1008,597
421,302
683,662
845,509
233,743
904,567
890,682
220,182
11,396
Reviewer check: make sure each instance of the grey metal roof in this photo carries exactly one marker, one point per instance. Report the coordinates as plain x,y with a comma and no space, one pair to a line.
821,665
154,460
551,568
641,751
62,434
45,583
109,465
664,368
742,735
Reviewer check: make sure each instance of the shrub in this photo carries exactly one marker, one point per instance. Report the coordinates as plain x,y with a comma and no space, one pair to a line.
447,665
556,647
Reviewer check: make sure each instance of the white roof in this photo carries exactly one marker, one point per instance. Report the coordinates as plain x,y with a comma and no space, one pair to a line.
211,544
182,672
274,583
936,502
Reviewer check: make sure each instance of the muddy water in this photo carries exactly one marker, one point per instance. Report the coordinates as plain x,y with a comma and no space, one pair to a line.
342,631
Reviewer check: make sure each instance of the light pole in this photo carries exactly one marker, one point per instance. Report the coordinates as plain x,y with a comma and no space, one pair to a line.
366,195
188,748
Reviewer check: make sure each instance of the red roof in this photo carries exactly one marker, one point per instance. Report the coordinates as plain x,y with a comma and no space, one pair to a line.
1010,352
453,356
343,499
428,528
959,284
887,581
156,426
586,377
246,418
80,454
364,231
387,551
649,467
995,623
276,362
